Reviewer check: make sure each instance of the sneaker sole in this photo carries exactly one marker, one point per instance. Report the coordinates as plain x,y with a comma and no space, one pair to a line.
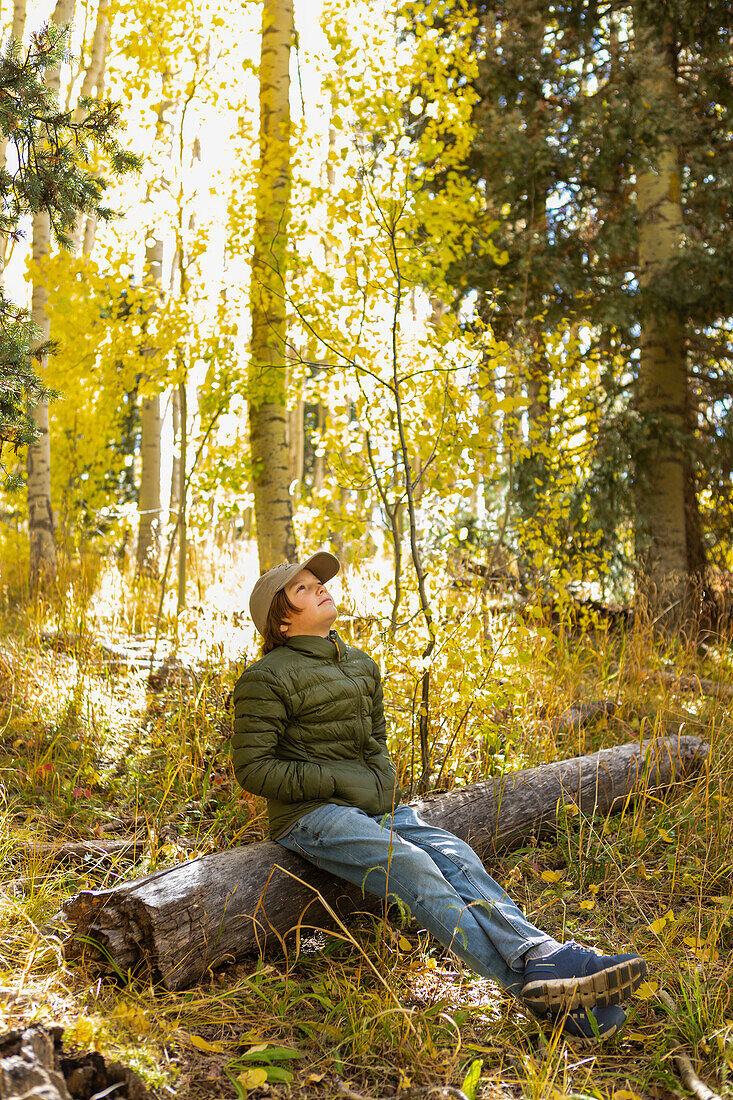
603,988
579,1040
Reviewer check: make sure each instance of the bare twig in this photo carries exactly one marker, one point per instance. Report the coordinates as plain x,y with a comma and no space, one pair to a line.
438,1092
684,1066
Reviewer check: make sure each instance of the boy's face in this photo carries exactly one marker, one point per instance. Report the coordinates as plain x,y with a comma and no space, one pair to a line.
316,612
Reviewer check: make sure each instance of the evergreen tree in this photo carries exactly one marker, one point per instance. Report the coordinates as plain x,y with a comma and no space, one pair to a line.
603,148
46,171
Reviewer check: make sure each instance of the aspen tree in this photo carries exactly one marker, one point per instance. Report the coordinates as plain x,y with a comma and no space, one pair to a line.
268,369
148,541
48,175
40,511
660,483
93,79
296,436
174,497
149,500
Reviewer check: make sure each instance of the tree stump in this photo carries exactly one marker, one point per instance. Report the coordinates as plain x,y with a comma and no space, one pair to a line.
34,1066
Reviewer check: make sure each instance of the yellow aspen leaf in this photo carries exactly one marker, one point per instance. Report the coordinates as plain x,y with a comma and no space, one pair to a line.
593,888
636,1037
703,952
405,944
625,1094
204,1045
314,1078
571,809
405,1080
253,1078
474,627
550,876
471,1080
646,990
589,903
666,837
658,924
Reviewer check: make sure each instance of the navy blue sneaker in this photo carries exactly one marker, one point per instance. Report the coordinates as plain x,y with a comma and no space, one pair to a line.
576,1023
574,977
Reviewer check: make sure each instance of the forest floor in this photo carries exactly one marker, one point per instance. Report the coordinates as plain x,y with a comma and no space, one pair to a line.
93,750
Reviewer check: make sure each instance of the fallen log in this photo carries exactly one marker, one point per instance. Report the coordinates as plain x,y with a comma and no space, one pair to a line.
579,715
696,685
178,923
75,852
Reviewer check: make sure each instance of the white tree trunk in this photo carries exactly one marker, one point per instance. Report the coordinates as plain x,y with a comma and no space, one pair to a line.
93,78
149,501
40,511
174,498
295,437
148,542
661,536
268,370
182,528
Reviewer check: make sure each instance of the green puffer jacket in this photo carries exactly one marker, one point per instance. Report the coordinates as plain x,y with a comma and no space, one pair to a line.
309,729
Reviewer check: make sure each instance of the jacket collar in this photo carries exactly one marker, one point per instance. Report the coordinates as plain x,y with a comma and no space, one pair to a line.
333,647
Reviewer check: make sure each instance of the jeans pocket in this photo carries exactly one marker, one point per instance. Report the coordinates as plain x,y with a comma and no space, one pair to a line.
326,825
290,842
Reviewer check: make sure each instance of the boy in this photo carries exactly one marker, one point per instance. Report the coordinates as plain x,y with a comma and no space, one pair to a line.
309,735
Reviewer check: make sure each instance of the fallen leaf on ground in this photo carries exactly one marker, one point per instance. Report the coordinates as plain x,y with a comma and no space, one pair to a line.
203,1044
253,1078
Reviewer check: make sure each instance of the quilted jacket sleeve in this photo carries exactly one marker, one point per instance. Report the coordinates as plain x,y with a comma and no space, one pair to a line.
260,716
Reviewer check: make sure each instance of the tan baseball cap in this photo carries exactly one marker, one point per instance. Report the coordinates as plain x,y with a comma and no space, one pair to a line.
322,564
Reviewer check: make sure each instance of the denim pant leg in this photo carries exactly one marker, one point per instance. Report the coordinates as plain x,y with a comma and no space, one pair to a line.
500,918
354,846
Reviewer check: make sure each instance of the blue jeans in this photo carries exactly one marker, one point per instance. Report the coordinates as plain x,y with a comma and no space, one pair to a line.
440,880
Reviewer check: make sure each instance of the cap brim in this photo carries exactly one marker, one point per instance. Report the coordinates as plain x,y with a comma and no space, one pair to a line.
322,565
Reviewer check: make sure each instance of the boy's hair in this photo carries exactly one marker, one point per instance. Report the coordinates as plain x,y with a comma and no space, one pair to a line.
281,609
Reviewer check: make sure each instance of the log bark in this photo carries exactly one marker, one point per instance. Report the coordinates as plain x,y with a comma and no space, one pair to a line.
178,923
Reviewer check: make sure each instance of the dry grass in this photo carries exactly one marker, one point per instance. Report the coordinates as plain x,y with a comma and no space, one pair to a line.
87,751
